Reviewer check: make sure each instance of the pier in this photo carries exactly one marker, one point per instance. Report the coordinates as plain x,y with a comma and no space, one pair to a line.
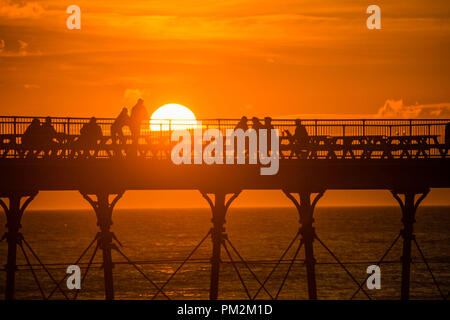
408,157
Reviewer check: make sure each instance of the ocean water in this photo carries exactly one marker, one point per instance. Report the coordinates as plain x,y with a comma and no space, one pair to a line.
160,238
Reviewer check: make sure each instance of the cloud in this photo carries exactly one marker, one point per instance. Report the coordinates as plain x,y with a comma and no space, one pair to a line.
396,109
15,9
18,50
22,48
392,109
23,44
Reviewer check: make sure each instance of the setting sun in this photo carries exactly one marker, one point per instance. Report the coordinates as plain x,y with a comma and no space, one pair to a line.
172,116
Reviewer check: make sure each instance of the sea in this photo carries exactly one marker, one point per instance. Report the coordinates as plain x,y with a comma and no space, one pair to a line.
158,240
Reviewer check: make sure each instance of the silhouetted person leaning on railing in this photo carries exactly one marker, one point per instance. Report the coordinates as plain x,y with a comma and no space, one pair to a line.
138,115
119,123
90,136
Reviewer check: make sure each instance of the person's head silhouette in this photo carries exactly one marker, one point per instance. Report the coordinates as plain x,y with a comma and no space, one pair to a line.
35,122
48,120
244,119
255,120
268,120
298,122
93,120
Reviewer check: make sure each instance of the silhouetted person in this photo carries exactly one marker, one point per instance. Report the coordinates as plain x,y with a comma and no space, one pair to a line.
256,125
31,132
268,123
301,139
90,134
31,137
300,130
268,126
138,115
121,121
48,136
242,124
447,135
48,129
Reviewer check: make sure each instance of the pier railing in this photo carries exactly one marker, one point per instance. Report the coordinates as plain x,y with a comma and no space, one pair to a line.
339,127
328,138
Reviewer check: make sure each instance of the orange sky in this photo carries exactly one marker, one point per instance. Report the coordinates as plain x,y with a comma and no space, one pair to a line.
225,58
222,58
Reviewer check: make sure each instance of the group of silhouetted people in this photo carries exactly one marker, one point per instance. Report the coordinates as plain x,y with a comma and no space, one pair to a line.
133,122
300,129
256,124
91,133
43,136
299,140
40,136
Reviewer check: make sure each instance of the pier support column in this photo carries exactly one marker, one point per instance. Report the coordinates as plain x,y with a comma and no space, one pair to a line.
409,207
305,209
14,213
103,209
219,209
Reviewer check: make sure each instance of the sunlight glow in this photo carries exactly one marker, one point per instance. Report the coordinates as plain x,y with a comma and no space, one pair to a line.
172,116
